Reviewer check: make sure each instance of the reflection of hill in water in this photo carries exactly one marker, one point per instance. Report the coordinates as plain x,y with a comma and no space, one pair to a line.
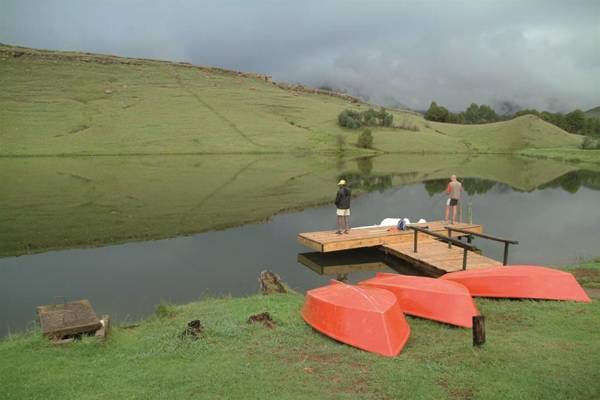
570,182
478,174
59,202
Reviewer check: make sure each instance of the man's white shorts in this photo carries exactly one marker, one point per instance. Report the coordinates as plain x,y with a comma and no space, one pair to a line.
343,213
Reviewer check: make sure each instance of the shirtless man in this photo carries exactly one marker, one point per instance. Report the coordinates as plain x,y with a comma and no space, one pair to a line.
454,191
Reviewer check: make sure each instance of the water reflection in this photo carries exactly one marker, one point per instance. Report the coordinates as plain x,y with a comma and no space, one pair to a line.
553,227
340,264
574,180
570,182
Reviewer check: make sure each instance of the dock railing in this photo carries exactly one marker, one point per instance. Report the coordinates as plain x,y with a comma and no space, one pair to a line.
451,241
506,242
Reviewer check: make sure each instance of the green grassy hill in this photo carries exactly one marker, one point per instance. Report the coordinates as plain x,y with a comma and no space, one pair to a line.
593,112
55,103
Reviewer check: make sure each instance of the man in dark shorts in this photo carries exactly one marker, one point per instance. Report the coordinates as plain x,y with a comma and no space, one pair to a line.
454,191
342,202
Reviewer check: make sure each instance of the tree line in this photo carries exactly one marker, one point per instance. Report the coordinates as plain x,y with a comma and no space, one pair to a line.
573,122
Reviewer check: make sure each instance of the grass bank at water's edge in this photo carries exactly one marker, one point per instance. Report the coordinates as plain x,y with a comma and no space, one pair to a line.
534,349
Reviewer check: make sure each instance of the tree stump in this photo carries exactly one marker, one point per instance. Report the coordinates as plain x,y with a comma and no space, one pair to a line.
270,282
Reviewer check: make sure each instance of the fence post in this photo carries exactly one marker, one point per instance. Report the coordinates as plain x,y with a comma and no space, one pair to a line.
449,235
415,246
464,259
505,253
478,330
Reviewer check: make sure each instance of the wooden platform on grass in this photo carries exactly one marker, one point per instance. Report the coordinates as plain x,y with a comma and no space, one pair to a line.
326,241
435,258
76,317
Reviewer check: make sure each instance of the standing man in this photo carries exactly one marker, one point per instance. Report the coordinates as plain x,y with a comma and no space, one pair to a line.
454,190
342,202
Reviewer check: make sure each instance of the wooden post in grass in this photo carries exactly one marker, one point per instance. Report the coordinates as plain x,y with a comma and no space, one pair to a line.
478,330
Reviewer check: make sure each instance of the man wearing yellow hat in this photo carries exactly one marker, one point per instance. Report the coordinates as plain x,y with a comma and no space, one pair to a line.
342,202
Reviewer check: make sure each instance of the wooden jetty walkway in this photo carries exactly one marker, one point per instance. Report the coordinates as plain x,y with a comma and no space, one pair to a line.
431,247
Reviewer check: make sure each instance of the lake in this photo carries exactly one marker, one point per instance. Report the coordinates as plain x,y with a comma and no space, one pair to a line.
552,209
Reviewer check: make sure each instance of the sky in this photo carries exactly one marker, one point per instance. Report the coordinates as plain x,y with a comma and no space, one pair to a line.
543,54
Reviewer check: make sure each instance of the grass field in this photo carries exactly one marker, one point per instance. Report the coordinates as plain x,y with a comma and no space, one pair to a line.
534,350
55,103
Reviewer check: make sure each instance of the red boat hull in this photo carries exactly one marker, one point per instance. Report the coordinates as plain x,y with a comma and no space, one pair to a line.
443,301
363,317
520,282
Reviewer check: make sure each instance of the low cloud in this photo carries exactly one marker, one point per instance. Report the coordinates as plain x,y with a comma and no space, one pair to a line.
541,54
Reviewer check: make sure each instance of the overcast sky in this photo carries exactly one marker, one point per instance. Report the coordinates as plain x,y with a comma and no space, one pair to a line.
543,54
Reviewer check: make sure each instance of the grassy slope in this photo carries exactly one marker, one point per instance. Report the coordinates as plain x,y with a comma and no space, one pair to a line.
530,353
520,133
51,105
593,112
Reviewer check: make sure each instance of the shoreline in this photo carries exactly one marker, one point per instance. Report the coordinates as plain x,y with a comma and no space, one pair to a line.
237,359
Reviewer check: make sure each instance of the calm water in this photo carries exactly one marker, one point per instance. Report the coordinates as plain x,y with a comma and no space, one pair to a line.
555,224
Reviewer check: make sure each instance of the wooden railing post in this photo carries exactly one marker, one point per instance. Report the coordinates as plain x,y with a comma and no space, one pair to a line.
449,235
505,253
465,258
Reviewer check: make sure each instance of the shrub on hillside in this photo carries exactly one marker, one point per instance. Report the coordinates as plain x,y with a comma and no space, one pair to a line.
354,119
437,113
365,139
589,144
350,119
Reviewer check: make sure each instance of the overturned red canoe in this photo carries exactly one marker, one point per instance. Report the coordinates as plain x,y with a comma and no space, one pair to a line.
520,282
430,298
363,317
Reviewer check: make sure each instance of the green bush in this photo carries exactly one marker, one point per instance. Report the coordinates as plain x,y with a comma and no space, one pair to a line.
437,113
350,119
354,119
589,144
365,139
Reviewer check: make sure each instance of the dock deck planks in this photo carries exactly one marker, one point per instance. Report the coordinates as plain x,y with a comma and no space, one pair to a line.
326,241
433,256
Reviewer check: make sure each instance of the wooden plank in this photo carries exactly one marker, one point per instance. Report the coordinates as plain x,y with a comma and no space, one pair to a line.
328,241
58,320
437,258
312,244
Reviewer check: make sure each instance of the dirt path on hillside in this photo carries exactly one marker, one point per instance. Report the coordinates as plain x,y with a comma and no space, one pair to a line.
223,118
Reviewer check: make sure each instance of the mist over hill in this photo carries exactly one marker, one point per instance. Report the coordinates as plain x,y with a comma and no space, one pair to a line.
540,55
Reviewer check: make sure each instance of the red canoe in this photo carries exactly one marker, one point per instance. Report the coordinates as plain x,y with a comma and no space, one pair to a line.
363,317
430,298
520,282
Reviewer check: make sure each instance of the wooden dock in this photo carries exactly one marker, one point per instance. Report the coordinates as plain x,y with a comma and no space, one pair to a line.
433,257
